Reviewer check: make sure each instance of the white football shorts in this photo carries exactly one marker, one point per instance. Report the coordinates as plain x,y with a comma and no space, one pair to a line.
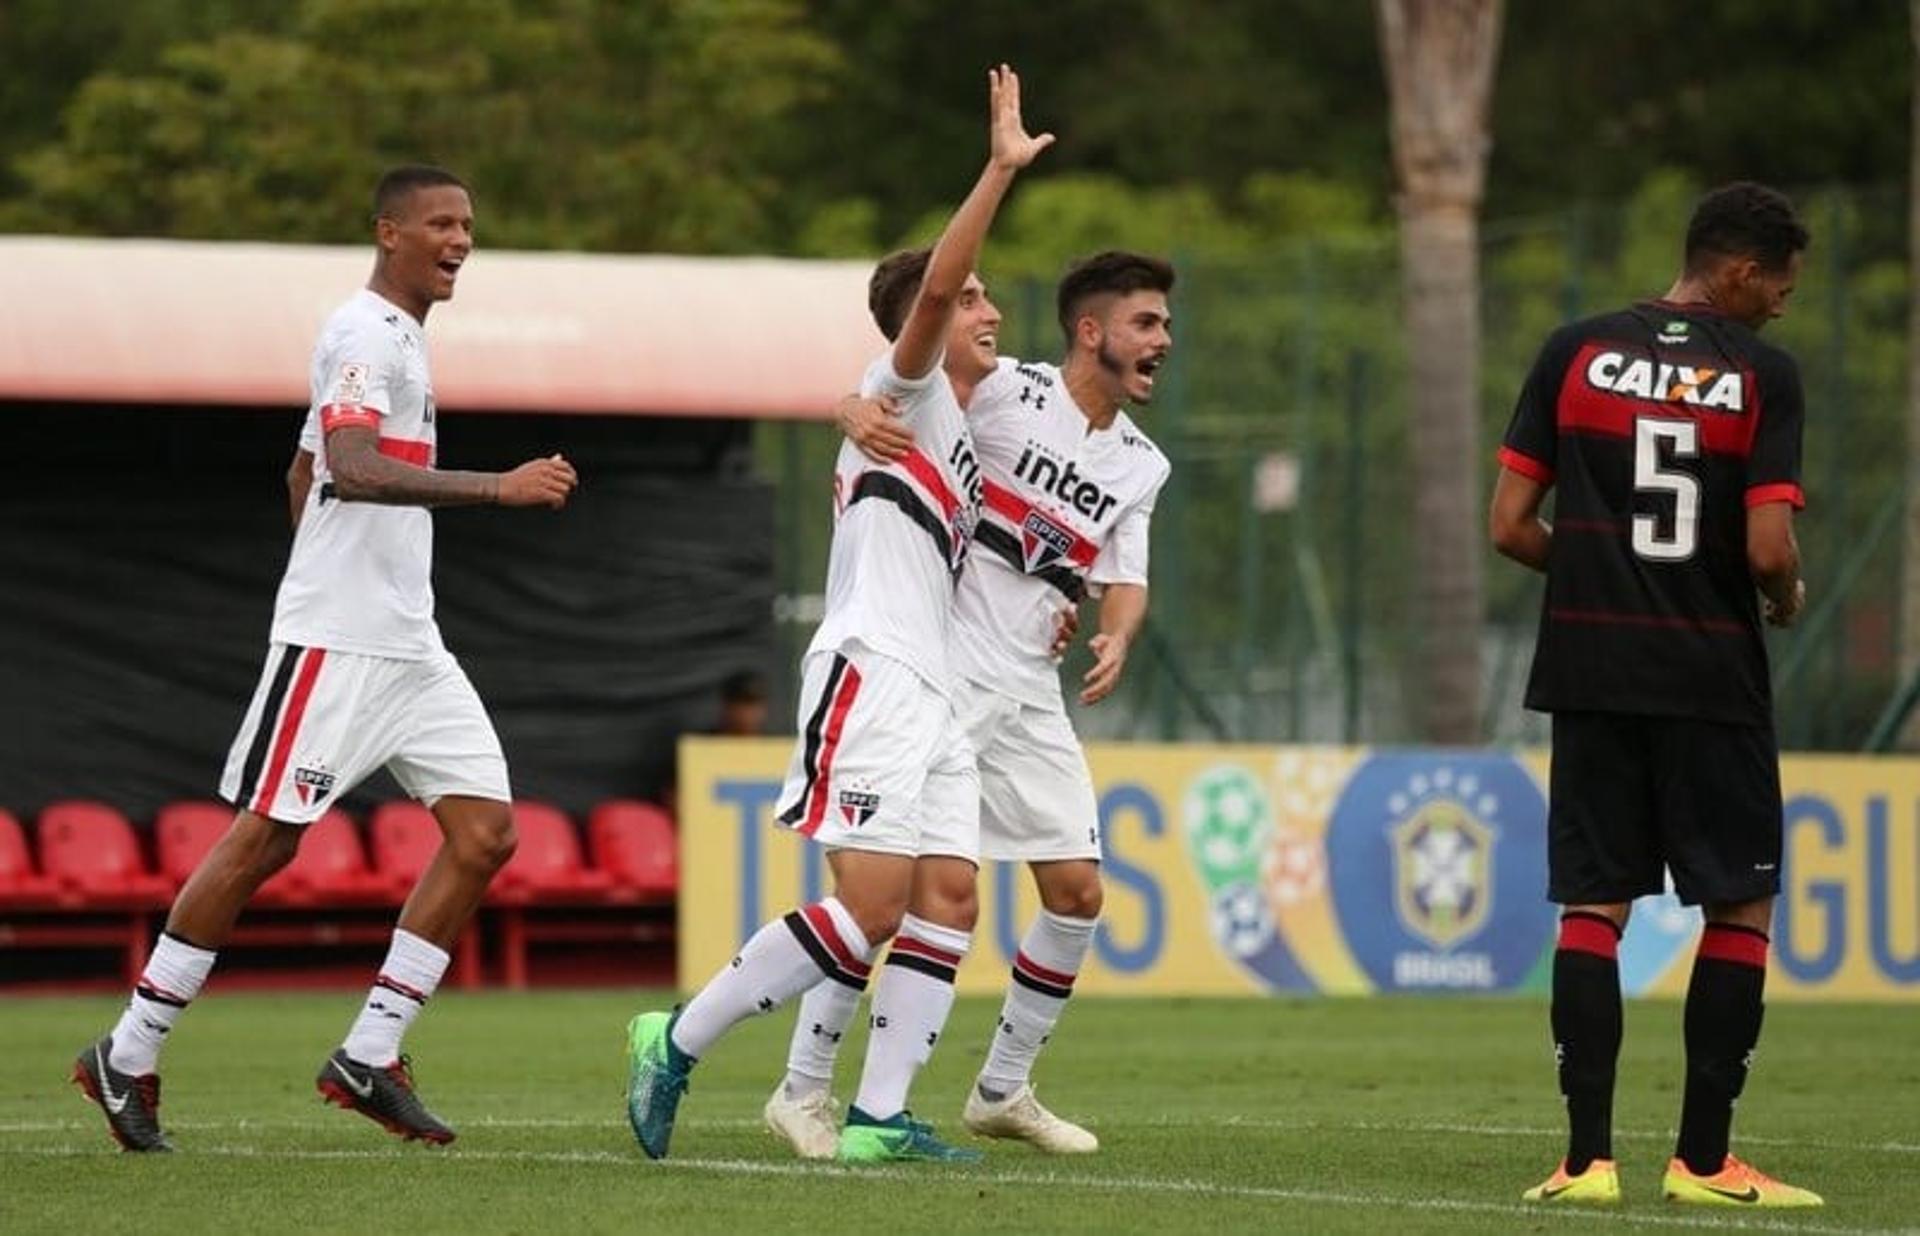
1036,794
322,721
880,764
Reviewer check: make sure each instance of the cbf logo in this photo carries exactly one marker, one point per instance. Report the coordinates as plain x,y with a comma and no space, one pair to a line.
1443,874
1043,542
858,805
1437,865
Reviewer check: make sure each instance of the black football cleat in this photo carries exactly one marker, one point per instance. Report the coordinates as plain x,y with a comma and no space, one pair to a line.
131,1104
383,1095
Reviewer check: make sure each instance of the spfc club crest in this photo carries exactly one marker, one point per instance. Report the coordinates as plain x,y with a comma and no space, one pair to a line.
312,785
1443,865
1043,542
858,806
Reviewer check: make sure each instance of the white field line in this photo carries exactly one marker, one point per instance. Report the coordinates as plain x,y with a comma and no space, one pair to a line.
962,1176
1448,1129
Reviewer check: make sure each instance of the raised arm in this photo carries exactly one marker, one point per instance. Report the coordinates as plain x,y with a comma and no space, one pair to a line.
362,474
957,252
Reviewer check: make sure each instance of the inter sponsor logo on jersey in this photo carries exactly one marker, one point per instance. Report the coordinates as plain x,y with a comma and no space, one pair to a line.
1050,474
1043,542
312,784
1644,378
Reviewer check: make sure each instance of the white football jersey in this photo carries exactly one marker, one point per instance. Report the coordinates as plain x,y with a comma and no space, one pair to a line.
1067,509
901,530
360,576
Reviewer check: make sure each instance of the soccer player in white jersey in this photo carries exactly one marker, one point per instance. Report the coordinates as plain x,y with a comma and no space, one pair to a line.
356,678
880,761
1070,489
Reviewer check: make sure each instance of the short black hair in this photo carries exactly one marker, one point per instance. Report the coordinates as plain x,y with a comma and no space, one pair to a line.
743,685
398,183
1745,219
895,282
1113,272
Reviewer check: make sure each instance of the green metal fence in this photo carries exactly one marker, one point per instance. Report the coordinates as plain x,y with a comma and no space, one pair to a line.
1283,546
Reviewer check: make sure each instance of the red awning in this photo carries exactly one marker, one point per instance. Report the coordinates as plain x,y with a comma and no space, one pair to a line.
149,321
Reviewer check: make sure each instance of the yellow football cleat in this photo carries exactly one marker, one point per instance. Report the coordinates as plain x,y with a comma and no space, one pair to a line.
1735,1184
1599,1185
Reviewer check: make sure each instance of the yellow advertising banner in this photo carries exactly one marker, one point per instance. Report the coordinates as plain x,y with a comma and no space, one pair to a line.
1345,870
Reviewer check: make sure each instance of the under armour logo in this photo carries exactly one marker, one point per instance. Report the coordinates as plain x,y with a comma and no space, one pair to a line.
734,964
879,1023
766,1004
933,1038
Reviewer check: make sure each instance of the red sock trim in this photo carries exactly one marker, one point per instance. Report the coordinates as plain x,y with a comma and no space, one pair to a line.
1590,933
1728,942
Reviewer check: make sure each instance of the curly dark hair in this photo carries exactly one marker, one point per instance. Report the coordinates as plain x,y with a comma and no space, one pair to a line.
1745,219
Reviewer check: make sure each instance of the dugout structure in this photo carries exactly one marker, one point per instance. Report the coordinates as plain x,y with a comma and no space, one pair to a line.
150,397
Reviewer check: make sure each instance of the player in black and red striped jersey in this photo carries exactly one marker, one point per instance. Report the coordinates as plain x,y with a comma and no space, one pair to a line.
1670,434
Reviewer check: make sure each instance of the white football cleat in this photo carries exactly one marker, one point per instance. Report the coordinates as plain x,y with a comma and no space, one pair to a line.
808,1123
1021,1117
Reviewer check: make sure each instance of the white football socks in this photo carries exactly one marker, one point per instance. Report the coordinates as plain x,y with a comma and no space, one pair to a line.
1043,973
406,982
910,1006
825,1013
783,959
174,973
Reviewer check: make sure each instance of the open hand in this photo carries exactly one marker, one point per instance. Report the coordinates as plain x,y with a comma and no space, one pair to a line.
1011,145
874,426
1109,658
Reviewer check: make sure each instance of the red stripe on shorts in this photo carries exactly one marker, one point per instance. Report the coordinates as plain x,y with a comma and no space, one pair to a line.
829,743
289,729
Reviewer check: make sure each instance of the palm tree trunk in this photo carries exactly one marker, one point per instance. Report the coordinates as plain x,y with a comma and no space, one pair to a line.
1440,57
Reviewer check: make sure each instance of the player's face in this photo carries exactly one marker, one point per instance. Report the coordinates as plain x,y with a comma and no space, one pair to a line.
429,240
1767,290
973,339
1135,336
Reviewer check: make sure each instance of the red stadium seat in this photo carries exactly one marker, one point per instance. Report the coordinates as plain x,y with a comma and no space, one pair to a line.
546,865
90,848
330,869
20,885
184,832
405,839
635,843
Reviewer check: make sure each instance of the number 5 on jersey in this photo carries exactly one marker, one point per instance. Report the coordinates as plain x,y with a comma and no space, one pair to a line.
1650,477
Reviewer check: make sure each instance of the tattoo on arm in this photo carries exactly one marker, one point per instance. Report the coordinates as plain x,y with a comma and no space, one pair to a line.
362,474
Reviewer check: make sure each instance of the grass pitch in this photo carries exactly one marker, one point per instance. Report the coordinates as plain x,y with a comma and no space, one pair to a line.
1378,1115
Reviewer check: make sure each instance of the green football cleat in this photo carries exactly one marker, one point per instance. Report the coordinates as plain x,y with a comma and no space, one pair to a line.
656,1078
898,1139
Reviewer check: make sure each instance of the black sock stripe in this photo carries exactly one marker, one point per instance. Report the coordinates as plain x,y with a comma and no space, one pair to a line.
816,727
398,990
797,924
146,992
177,938
1589,915
1040,985
925,965
263,732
